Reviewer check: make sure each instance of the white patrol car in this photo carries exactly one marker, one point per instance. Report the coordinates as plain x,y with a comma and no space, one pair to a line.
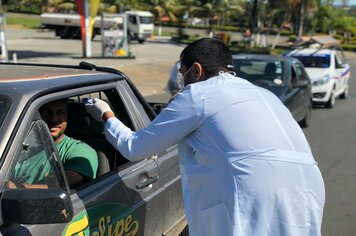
328,71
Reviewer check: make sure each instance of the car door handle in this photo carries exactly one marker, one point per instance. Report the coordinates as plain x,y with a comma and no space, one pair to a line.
147,182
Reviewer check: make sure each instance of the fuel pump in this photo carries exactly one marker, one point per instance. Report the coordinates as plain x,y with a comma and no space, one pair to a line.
114,36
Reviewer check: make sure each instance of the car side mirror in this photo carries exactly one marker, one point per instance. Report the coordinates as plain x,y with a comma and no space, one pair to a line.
301,84
157,107
36,206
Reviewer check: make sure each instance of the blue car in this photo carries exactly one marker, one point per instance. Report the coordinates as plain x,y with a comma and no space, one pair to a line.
284,76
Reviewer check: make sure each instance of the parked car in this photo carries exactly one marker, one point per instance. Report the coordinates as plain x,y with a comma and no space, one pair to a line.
127,198
284,76
328,71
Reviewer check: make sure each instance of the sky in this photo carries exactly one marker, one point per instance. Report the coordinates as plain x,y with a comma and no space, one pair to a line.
351,2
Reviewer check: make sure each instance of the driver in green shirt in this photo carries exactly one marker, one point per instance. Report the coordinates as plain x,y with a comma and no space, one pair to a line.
79,160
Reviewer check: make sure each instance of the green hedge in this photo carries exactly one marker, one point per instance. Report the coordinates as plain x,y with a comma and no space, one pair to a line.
26,22
219,28
349,47
250,50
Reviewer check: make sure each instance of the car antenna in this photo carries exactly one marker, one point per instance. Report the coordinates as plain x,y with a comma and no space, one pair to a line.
87,65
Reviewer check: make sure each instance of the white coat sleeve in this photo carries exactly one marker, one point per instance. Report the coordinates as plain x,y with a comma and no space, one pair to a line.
182,116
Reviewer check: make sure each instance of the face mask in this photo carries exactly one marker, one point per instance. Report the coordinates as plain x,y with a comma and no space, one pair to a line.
187,71
186,80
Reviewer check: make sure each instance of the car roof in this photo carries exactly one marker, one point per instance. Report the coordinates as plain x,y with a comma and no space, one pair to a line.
262,57
311,52
32,78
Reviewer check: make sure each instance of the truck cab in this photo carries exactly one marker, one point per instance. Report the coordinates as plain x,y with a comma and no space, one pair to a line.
140,25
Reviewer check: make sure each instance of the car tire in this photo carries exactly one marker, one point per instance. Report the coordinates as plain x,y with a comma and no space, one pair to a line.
307,118
345,94
331,101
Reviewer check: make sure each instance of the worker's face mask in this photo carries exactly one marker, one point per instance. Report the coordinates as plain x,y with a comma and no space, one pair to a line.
187,77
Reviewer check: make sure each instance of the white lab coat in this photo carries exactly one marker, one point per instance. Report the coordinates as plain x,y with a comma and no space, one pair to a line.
246,165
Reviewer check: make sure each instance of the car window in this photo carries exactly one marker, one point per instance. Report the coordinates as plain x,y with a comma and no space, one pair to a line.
260,71
133,19
4,105
83,127
338,59
36,160
300,72
111,97
315,61
339,56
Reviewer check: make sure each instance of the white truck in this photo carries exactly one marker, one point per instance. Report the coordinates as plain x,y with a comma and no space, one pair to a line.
67,26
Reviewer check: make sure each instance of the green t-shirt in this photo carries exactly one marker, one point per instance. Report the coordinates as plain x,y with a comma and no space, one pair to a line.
75,155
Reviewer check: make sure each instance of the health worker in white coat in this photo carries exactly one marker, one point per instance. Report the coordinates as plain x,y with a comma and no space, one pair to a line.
246,166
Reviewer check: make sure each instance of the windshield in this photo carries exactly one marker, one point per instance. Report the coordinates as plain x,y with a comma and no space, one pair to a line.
146,19
315,61
4,104
260,72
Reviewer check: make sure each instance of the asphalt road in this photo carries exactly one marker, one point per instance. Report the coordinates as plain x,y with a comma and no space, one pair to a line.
332,134
332,137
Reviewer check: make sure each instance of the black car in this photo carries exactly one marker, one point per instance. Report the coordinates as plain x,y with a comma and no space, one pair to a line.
284,76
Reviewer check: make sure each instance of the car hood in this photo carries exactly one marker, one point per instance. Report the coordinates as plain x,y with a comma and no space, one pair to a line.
316,73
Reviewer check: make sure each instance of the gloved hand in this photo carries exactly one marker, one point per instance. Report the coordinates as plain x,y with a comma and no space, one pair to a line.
96,107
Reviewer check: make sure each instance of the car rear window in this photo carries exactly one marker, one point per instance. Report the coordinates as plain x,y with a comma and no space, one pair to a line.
269,72
315,61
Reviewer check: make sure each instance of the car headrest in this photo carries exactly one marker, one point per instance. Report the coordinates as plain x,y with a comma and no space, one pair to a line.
270,68
81,124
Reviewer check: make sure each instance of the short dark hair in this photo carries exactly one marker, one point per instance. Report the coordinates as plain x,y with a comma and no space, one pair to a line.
211,53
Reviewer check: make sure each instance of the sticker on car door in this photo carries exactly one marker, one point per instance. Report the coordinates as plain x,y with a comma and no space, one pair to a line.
104,219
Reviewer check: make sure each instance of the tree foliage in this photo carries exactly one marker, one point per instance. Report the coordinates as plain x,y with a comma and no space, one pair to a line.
300,16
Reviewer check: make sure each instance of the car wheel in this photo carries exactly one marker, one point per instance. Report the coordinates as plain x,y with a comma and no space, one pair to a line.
345,94
331,102
307,118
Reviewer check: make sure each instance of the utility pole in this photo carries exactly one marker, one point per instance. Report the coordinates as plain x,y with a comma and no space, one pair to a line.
83,9
87,36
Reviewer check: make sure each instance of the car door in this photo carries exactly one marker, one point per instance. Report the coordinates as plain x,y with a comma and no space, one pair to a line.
143,195
168,204
300,88
120,201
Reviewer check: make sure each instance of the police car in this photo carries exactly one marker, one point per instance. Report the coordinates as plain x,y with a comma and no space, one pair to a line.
328,72
126,198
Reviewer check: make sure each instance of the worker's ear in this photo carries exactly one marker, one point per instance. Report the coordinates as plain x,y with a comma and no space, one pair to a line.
199,71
